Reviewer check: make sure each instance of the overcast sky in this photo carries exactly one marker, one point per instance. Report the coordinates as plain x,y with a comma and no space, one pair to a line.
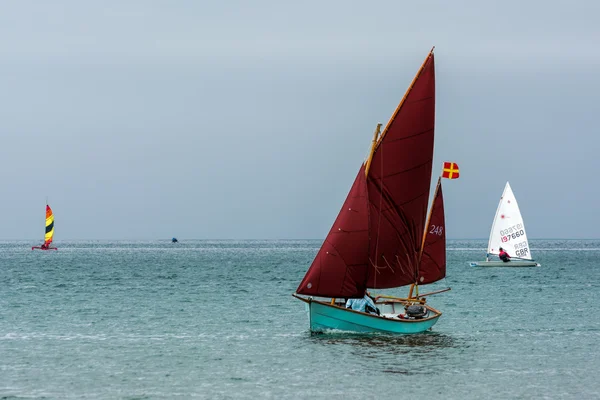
249,119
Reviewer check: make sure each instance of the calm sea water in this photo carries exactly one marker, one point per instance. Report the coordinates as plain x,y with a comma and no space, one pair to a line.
216,320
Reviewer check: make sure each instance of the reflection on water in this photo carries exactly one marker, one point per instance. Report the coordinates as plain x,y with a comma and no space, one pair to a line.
427,341
391,351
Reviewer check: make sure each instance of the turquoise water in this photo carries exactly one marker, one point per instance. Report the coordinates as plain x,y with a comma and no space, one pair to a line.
216,320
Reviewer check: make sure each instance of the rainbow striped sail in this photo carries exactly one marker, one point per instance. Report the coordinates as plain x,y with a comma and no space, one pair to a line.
49,226
49,234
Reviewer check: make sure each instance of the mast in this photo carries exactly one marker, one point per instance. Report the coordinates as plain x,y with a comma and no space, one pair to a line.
373,147
487,255
437,188
432,253
415,285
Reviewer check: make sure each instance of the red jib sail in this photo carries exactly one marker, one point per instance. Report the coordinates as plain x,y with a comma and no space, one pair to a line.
376,239
340,267
432,267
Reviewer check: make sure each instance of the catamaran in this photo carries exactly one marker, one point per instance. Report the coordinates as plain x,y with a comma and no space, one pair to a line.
49,234
508,233
383,237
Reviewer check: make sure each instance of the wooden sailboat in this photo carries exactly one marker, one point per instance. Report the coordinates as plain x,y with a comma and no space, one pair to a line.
508,232
49,233
382,237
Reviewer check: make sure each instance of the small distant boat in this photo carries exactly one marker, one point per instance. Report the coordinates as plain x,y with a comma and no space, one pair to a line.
383,237
174,240
508,232
49,235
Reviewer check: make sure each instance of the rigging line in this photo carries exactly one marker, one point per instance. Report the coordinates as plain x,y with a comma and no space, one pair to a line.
380,206
413,268
375,267
400,264
407,225
388,264
379,217
396,207
398,211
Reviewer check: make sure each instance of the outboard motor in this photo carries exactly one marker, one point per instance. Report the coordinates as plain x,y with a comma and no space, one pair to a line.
416,311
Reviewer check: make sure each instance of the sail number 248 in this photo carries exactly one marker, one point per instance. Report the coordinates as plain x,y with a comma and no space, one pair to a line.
436,230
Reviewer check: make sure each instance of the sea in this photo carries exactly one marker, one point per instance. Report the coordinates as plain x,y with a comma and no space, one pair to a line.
215,319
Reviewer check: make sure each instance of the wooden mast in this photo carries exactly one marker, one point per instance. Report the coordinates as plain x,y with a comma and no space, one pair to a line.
373,147
416,284
437,188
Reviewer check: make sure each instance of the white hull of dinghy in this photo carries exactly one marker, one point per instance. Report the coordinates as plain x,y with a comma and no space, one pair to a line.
513,264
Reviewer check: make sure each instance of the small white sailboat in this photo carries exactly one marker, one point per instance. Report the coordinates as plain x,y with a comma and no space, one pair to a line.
508,233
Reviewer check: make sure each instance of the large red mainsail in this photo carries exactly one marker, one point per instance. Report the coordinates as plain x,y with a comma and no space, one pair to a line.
398,185
432,267
376,239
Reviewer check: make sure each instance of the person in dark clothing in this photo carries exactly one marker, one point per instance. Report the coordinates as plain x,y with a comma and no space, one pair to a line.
504,255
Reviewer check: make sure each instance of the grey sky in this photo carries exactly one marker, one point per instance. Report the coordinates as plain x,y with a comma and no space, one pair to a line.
193,119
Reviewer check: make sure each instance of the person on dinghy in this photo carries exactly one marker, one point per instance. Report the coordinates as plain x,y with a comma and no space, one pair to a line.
43,246
504,255
366,304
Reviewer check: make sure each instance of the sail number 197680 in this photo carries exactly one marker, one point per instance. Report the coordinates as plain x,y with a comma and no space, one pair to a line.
512,232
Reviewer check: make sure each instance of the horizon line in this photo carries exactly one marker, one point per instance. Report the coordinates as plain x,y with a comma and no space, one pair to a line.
322,239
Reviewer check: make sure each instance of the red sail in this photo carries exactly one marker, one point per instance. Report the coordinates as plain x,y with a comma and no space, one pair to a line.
433,260
340,267
376,239
398,185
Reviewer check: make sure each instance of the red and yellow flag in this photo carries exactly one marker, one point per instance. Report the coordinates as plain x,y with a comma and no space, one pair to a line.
450,170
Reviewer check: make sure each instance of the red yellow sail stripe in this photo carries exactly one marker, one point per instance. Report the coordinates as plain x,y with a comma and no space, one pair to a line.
49,226
450,170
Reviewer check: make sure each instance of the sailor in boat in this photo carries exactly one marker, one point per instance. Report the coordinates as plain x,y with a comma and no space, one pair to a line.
414,311
43,246
366,304
504,255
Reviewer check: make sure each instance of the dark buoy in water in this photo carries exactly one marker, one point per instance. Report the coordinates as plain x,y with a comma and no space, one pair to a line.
174,240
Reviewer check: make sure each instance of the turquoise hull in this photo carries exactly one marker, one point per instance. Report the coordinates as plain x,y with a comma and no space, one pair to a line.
324,316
